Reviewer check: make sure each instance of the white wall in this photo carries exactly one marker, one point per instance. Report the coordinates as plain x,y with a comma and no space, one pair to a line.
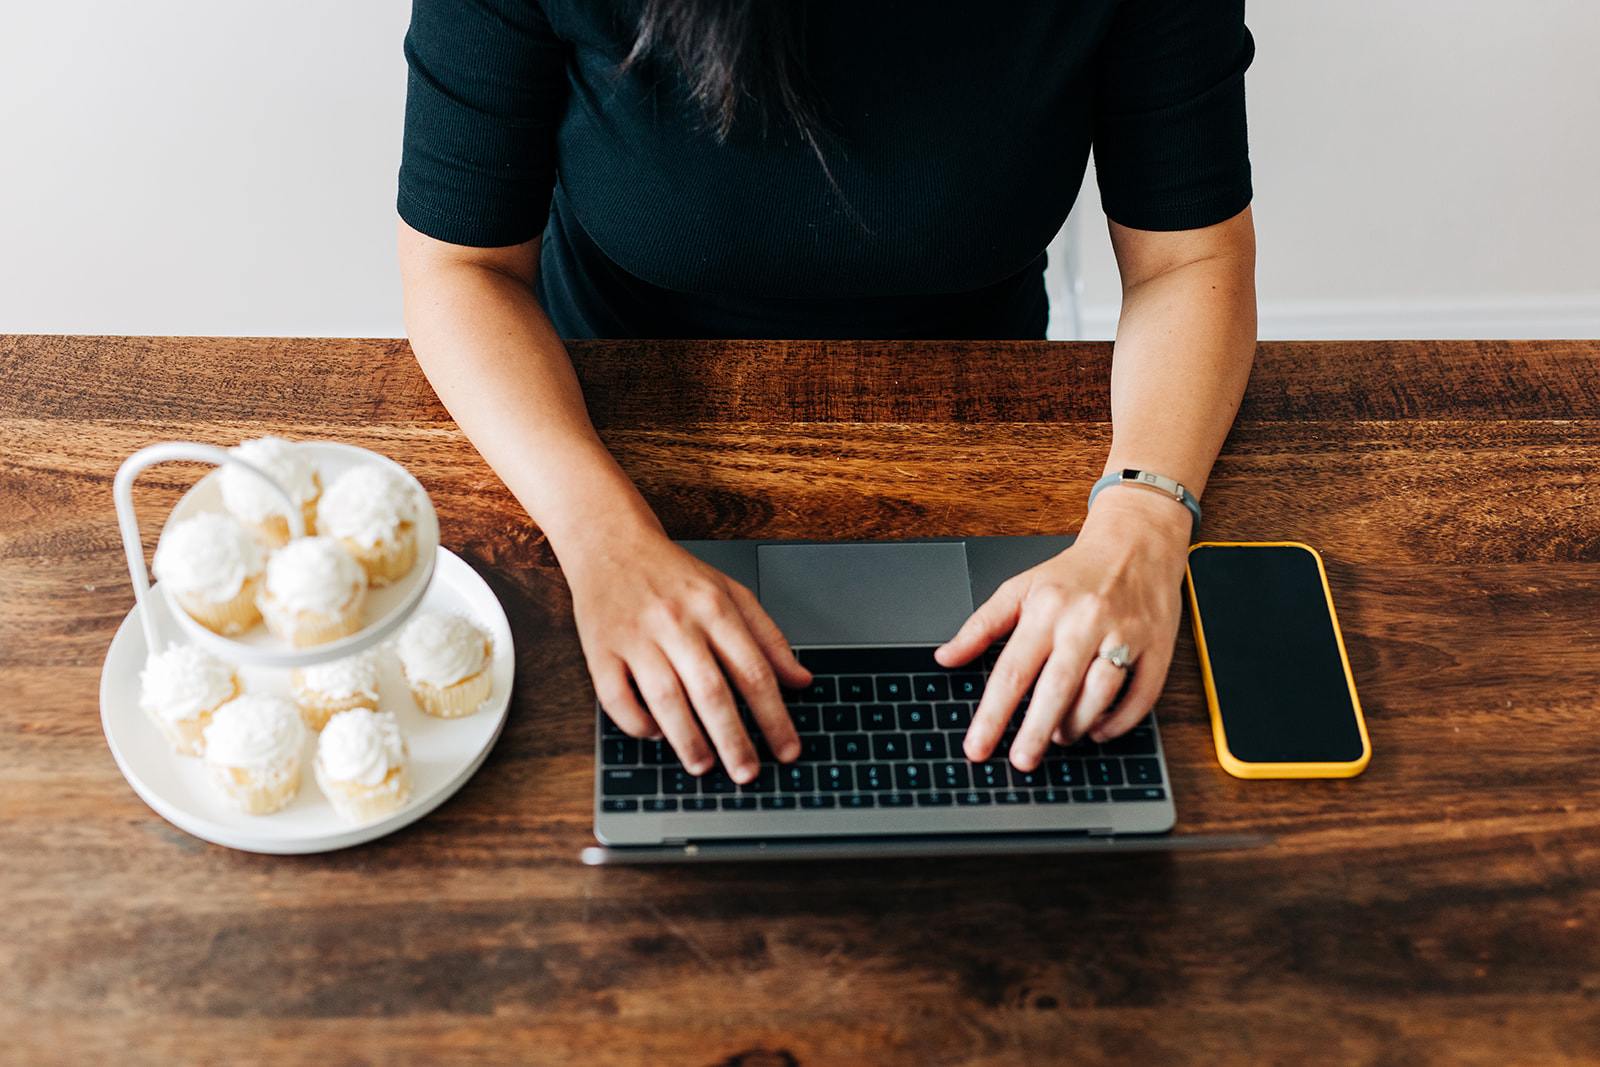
1423,168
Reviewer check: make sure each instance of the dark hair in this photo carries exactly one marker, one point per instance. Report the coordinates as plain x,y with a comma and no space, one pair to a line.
735,54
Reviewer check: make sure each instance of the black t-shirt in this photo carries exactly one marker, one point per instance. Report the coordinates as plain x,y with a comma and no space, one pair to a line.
960,131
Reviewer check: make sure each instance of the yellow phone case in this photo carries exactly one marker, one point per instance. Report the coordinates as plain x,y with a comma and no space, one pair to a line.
1231,763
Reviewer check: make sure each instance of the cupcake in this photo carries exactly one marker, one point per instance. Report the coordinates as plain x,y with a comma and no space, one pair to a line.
362,765
372,511
325,689
446,660
313,593
253,749
180,688
214,567
255,504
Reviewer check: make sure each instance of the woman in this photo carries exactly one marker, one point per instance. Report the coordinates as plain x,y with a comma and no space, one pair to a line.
772,168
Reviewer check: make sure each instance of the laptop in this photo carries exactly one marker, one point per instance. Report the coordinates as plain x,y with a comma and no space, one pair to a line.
882,771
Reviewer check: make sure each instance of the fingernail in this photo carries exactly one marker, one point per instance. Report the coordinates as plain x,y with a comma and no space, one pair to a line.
744,772
700,767
790,753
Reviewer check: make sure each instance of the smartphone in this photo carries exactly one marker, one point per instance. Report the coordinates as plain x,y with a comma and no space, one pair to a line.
1283,702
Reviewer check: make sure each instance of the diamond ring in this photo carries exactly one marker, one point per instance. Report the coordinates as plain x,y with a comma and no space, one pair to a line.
1118,657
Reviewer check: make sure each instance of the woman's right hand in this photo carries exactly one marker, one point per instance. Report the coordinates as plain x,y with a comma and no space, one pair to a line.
657,623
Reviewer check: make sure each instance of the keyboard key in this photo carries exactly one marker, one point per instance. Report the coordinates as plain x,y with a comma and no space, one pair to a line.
890,747
1090,796
972,798
931,687
894,688
1050,796
934,800
658,754
660,804
895,800
851,747
623,751
813,802
835,778
1139,741
821,691
815,748
1143,792
609,728
738,803
858,800
716,780
839,719
612,805
991,775
807,718
916,716
699,803
1065,772
874,776
636,781
951,776
856,689
1143,771
911,777
1011,796
781,802
765,781
1104,771
952,716
928,746
1037,778
679,782
796,778
878,717
966,686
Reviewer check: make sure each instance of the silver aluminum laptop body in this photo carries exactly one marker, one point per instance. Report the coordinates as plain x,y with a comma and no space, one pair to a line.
903,594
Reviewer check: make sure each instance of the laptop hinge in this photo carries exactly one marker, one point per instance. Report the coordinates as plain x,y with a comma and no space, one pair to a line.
1101,831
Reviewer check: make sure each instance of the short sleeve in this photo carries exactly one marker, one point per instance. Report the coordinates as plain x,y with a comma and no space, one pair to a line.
484,98
1170,146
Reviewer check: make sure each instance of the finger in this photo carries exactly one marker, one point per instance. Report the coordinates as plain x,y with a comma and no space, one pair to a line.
1009,679
1148,681
751,673
992,621
1058,687
658,684
769,639
1102,683
707,689
614,691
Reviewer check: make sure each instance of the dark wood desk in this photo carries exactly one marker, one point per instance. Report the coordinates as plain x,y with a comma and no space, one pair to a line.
1443,908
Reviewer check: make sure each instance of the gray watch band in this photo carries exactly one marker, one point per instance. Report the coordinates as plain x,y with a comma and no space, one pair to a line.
1151,480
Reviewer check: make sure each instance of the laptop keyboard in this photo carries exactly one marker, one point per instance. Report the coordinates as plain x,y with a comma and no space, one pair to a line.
881,728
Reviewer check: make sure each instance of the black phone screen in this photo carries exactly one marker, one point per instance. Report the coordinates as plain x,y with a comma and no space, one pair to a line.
1280,682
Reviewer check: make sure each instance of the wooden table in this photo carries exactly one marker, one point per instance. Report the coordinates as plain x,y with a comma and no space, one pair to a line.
1442,908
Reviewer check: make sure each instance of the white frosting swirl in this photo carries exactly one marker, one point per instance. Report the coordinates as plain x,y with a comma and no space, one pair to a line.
341,679
360,746
183,682
283,461
314,574
254,732
440,648
367,504
209,555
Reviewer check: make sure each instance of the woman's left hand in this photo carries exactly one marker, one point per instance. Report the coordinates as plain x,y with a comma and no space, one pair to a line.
1119,584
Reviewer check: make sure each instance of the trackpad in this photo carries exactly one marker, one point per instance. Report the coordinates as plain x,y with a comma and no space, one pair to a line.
866,594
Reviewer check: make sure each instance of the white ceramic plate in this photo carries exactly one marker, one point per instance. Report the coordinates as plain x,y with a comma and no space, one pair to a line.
386,607
444,752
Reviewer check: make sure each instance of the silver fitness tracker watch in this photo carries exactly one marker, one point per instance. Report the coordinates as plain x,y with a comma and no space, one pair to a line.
1151,480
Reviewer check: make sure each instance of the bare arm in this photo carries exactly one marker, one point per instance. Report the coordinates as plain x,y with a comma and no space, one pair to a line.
648,613
1184,346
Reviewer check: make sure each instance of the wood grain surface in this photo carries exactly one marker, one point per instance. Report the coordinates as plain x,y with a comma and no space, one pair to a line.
1444,908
